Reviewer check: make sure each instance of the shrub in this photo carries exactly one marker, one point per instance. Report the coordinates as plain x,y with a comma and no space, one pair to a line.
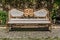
3,17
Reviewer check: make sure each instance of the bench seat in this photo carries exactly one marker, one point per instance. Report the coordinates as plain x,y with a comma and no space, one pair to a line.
41,21
27,19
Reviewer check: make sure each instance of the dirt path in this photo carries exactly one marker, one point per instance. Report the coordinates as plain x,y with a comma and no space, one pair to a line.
29,34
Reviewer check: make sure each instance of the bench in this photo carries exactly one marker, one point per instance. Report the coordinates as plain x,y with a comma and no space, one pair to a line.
41,20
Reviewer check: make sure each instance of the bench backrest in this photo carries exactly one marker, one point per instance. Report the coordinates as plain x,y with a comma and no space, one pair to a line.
41,13
28,12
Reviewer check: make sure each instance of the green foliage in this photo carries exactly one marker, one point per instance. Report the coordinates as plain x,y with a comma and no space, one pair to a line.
57,1
3,16
54,10
55,6
53,14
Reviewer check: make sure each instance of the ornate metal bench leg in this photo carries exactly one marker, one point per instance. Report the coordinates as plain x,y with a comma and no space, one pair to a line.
50,28
8,27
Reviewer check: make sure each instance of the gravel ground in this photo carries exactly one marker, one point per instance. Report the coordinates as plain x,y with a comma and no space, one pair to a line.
55,32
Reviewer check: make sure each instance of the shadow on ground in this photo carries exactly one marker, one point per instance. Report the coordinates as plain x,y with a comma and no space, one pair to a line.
30,29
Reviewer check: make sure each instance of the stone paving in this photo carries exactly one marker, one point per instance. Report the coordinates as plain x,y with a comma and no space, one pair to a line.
55,32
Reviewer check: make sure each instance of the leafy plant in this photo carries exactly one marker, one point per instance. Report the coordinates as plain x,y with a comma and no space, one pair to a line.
54,10
3,16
